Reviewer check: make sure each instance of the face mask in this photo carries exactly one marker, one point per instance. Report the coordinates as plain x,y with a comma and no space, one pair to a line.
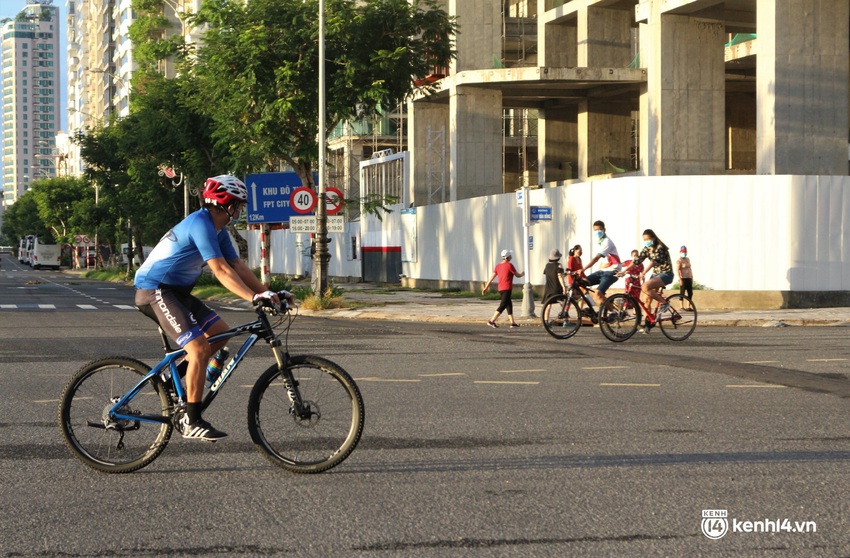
684,254
647,243
234,217
599,234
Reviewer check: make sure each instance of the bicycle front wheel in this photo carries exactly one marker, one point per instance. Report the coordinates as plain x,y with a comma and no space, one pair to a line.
619,317
561,317
326,430
103,442
679,322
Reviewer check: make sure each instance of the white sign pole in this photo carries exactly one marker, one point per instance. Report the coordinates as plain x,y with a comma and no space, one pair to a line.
527,294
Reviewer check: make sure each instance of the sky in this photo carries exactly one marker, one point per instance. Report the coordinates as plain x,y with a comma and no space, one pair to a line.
11,8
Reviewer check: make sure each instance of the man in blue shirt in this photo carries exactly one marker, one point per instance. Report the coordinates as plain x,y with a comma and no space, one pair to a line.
164,284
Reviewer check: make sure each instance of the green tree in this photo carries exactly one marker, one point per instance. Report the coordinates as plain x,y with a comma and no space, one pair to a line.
63,205
258,70
21,219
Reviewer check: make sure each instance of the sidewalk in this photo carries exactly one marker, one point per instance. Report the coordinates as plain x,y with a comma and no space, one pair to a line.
373,303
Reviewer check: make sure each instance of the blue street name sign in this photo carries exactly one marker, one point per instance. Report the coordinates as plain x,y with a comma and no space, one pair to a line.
541,213
268,196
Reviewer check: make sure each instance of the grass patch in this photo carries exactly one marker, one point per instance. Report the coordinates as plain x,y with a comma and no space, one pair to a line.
494,295
115,274
331,298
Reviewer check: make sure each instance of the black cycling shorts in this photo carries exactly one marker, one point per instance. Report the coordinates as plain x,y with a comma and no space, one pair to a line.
182,316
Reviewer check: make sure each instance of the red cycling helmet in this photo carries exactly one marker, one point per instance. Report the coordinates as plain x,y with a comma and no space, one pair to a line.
224,189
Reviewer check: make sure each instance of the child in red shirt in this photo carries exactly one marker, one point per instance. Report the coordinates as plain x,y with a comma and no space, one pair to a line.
632,272
574,264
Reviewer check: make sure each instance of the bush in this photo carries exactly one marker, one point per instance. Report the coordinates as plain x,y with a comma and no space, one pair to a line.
697,287
276,282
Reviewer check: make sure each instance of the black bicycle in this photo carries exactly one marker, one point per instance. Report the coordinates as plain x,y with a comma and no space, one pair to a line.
305,413
564,314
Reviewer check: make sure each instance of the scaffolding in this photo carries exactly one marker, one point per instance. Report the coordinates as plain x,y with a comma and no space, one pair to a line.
519,34
436,165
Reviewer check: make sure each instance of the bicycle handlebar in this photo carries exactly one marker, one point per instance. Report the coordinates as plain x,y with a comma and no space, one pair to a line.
269,307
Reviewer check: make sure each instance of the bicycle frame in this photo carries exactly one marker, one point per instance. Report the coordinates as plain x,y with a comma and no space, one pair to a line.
583,289
647,312
261,328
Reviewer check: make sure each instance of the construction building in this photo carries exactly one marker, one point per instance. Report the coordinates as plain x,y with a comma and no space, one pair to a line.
545,92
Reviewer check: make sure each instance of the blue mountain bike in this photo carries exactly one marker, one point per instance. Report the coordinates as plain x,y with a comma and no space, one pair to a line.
305,413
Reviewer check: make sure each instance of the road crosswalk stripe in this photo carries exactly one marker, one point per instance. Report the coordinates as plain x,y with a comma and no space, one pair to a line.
53,307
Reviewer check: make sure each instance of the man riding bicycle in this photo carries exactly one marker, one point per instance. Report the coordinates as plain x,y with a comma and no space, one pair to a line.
165,281
605,276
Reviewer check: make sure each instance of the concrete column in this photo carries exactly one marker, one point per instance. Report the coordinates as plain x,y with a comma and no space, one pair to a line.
605,129
556,48
557,136
476,142
428,143
479,39
683,105
741,131
801,86
604,38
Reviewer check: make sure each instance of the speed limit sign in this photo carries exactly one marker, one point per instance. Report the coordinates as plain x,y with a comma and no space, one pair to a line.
302,200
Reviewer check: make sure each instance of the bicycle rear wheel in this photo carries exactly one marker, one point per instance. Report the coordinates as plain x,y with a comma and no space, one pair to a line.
561,317
104,443
679,322
314,443
619,317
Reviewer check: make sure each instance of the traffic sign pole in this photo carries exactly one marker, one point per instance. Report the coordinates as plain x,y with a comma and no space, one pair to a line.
527,294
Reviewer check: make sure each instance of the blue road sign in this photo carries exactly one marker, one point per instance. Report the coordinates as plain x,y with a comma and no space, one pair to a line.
268,196
541,213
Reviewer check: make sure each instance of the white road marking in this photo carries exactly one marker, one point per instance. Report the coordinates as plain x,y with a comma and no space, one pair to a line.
629,385
498,382
87,306
754,386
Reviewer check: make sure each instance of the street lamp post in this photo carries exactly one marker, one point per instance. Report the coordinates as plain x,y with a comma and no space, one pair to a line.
322,257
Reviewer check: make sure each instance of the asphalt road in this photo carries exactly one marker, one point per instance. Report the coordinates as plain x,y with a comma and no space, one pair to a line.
478,442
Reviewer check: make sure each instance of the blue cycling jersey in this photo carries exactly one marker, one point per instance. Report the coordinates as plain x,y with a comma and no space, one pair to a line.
179,256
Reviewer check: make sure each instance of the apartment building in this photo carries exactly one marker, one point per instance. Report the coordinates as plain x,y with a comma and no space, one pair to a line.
30,71
101,62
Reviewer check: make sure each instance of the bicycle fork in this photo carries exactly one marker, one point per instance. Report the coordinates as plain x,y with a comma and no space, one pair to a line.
298,408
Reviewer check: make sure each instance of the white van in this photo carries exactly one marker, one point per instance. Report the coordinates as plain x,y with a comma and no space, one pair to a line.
146,250
44,255
22,250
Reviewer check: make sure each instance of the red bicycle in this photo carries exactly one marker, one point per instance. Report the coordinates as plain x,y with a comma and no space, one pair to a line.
623,313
